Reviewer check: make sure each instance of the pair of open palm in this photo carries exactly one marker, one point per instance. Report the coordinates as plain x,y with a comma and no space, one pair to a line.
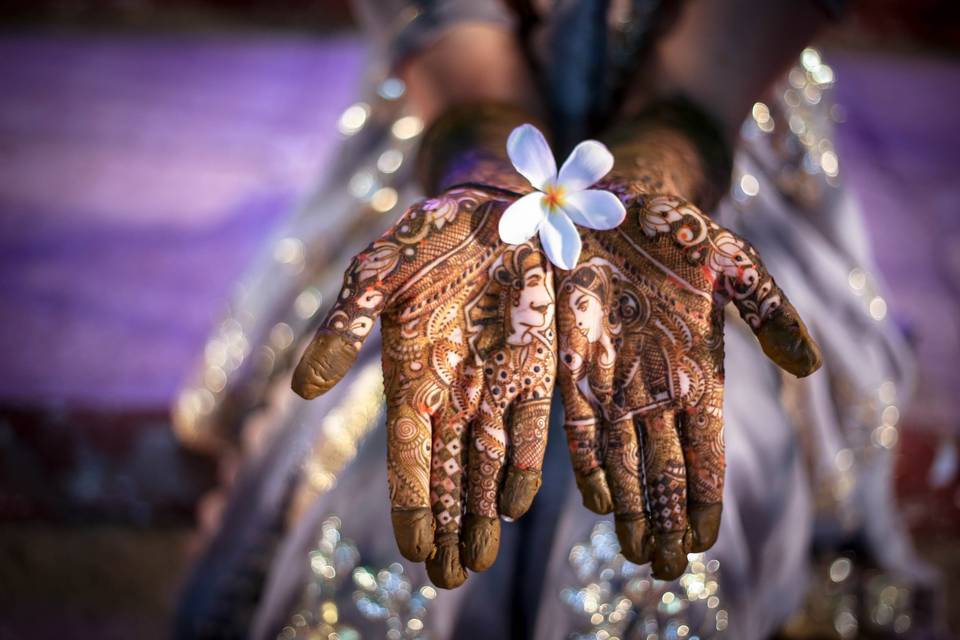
477,333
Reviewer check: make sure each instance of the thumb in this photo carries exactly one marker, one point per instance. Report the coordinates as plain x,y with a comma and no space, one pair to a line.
368,283
744,279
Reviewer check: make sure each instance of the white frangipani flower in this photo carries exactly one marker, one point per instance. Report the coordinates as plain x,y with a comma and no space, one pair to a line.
561,199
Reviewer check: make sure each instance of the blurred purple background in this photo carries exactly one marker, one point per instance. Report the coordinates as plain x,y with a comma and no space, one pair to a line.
139,175
140,172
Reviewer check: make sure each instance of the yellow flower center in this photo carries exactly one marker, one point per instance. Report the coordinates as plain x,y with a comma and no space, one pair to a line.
553,197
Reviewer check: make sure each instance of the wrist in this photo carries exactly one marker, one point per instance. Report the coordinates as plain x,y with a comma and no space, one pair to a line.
468,58
468,143
673,147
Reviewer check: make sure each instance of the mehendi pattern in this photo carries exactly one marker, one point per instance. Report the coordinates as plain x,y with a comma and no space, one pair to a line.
640,323
469,362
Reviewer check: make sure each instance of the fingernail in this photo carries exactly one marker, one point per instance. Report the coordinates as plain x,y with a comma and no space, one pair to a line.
326,360
413,529
595,492
444,566
635,542
669,556
704,525
481,541
787,342
519,490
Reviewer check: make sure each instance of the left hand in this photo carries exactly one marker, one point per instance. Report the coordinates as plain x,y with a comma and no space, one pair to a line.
640,331
469,366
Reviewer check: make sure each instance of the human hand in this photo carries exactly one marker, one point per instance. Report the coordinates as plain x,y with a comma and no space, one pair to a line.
640,323
469,365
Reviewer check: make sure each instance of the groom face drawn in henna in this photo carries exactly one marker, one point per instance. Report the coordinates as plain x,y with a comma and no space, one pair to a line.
532,313
646,431
526,314
469,366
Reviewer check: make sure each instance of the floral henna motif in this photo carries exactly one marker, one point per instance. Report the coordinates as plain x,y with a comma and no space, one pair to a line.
469,365
640,321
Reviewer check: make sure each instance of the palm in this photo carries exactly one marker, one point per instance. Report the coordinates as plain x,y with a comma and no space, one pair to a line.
468,362
641,340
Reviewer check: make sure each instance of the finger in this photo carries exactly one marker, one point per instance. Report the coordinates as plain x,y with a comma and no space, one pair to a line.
369,283
581,424
408,476
528,444
785,339
580,407
601,370
743,279
701,438
327,359
666,484
446,485
622,465
362,298
599,383
530,337
486,459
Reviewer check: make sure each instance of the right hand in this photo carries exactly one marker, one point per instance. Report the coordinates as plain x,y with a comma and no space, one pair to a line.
641,349
469,366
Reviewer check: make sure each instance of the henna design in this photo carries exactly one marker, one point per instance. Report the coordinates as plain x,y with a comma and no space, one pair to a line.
640,323
469,365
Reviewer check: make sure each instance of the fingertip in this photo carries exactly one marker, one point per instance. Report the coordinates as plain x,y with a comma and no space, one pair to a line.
323,364
481,542
786,341
812,359
635,541
595,492
413,529
704,525
444,567
519,490
669,556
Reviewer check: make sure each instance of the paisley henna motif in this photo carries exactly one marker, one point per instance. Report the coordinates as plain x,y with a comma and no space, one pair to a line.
640,323
469,361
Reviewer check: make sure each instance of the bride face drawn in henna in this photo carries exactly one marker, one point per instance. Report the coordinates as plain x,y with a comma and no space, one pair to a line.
593,326
671,271
587,307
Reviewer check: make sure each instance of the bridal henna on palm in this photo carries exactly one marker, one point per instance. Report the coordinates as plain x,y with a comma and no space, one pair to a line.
640,323
469,359
469,366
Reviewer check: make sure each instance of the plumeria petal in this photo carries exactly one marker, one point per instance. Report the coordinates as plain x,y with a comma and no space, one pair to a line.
531,155
588,162
560,240
594,209
522,218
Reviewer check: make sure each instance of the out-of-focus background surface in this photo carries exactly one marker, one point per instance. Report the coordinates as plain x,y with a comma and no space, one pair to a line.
147,148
